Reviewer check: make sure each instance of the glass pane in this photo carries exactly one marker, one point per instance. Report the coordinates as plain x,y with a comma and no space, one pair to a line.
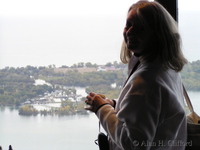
50,34
189,23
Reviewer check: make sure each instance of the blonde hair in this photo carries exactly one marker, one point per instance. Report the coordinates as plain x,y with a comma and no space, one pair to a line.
168,41
125,54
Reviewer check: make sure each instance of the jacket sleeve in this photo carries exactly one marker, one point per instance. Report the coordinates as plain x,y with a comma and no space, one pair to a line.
136,122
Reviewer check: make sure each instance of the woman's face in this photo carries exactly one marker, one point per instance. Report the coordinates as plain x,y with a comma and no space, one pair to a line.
135,35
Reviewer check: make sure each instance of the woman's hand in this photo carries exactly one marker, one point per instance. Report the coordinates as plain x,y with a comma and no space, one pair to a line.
96,101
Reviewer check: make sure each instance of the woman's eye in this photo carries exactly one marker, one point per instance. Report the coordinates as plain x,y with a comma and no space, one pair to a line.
128,25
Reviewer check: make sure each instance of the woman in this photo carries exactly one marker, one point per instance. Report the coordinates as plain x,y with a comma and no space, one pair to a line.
149,112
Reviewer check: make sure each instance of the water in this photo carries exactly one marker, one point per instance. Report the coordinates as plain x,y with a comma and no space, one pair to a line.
195,99
76,132
47,132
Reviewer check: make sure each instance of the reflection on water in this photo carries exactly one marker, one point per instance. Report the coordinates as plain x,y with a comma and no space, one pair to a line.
47,132
2,109
195,99
75,132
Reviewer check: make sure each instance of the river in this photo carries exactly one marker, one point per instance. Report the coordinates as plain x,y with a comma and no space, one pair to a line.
76,132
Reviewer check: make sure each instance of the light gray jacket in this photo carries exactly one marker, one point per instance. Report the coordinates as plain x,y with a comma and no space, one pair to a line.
149,112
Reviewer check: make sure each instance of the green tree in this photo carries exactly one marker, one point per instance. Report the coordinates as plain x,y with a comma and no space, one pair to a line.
28,110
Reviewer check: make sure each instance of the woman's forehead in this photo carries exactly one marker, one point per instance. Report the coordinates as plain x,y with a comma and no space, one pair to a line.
132,15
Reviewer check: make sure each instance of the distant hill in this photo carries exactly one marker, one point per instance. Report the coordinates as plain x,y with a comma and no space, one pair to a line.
80,70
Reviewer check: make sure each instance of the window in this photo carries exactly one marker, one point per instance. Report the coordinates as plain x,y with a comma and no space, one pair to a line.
189,29
55,33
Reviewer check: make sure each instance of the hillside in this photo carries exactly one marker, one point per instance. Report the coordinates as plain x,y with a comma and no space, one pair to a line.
80,70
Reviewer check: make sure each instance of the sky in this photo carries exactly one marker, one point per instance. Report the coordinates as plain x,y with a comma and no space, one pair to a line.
65,32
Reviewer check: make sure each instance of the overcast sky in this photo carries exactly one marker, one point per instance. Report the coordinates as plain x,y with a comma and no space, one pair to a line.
64,32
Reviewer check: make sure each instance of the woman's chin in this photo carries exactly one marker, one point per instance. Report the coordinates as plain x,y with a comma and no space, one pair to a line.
134,49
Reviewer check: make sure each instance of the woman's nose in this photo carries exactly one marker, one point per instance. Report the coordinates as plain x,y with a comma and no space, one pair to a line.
129,31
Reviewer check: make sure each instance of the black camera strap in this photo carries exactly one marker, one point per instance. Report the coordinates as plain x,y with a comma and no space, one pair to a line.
102,140
96,141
